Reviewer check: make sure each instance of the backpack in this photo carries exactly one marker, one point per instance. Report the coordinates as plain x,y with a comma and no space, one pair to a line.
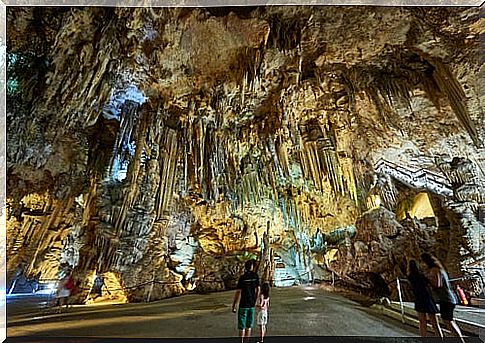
70,283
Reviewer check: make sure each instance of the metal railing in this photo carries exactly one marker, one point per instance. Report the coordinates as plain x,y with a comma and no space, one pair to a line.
430,180
398,281
462,278
414,173
160,282
32,283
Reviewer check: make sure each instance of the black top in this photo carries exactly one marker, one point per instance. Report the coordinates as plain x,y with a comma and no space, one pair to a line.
248,283
423,299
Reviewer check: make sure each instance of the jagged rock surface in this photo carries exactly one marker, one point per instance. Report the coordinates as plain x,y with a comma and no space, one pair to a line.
160,145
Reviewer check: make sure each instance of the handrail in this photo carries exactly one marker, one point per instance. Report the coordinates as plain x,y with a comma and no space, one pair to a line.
398,166
474,268
426,176
48,280
468,277
462,278
400,299
176,282
398,280
124,288
412,173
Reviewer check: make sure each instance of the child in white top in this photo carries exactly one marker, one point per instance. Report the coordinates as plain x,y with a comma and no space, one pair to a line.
263,305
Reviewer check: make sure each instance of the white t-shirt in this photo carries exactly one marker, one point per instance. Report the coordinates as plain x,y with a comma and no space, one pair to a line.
264,304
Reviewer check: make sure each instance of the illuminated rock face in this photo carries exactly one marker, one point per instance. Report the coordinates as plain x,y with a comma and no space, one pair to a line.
381,250
164,147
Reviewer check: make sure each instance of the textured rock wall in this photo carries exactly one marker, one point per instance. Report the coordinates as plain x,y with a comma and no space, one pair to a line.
159,145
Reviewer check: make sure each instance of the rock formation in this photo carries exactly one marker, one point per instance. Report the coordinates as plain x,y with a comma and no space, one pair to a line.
163,147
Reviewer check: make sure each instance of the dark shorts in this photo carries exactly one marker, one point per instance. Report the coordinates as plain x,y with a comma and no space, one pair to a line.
446,311
425,305
245,318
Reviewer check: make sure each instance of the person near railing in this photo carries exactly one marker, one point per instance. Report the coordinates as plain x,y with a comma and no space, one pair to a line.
65,289
423,300
441,285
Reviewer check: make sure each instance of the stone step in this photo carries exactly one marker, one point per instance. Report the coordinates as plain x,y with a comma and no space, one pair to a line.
473,323
288,276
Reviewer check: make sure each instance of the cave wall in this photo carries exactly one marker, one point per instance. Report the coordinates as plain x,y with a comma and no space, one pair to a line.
161,144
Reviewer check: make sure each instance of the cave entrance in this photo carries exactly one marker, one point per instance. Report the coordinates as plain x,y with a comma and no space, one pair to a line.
416,206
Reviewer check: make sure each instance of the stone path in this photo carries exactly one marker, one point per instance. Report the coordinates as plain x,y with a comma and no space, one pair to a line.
299,311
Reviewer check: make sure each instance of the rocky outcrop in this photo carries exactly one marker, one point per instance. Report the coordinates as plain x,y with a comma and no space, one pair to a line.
380,252
467,233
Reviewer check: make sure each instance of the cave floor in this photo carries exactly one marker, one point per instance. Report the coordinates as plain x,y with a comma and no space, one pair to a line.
299,311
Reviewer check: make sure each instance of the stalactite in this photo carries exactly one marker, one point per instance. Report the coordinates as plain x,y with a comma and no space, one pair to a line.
282,156
129,120
314,166
168,159
133,174
449,85
38,232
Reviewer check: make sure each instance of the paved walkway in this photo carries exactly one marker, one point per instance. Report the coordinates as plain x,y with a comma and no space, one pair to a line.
466,313
471,320
296,311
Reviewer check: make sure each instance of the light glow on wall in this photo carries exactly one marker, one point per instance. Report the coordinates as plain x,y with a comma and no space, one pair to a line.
421,207
373,201
418,207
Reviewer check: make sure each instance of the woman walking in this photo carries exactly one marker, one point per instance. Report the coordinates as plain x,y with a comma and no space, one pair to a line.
423,300
441,285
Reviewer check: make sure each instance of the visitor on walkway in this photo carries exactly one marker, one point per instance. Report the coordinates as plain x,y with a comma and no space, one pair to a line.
97,289
66,286
441,286
263,305
423,300
246,294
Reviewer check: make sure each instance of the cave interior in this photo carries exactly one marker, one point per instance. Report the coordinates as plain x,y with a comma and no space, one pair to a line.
163,147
